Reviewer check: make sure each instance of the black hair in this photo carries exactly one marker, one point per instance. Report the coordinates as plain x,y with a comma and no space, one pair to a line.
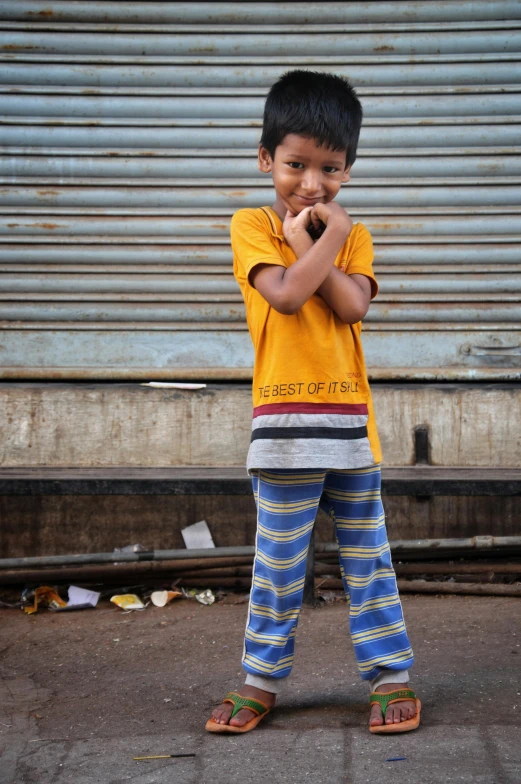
316,105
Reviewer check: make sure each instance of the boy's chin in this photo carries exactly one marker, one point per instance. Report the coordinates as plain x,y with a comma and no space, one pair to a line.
296,209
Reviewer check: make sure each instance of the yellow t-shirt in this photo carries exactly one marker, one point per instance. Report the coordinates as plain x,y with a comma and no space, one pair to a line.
311,398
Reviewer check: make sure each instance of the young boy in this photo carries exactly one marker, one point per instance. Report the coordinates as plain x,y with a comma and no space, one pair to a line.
305,272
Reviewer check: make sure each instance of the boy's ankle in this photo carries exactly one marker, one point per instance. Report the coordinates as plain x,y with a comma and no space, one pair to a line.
270,685
387,688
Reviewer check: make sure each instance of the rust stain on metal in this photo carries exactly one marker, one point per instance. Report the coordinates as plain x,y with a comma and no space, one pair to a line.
45,12
47,193
238,193
18,48
384,49
31,225
393,226
385,226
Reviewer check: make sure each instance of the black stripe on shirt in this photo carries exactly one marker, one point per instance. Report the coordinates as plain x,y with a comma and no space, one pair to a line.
340,433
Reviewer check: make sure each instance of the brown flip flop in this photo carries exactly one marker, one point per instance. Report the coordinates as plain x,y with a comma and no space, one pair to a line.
238,703
383,700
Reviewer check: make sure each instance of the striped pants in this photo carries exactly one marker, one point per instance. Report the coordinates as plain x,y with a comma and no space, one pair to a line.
287,503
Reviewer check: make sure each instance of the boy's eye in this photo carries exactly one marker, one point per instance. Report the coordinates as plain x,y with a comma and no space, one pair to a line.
330,169
295,165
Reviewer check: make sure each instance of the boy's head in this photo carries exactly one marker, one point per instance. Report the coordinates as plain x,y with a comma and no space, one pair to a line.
320,106
308,111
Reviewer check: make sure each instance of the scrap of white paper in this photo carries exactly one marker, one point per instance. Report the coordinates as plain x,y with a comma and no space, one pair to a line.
197,536
173,385
81,597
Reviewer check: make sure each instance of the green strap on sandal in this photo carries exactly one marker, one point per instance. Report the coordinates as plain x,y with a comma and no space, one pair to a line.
239,703
384,700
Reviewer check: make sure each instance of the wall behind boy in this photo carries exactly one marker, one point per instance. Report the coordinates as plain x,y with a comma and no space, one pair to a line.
129,140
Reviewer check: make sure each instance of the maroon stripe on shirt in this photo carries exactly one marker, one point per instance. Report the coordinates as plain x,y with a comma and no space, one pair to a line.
310,408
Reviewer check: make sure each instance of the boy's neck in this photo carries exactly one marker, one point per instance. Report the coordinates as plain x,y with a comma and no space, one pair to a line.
279,208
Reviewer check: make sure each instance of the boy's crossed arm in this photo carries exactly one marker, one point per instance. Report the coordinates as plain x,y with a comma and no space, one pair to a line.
287,289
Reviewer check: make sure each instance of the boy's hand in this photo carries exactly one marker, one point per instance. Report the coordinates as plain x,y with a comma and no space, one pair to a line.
332,215
295,230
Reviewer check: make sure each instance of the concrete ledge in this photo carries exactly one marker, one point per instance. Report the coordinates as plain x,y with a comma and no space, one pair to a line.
91,425
108,425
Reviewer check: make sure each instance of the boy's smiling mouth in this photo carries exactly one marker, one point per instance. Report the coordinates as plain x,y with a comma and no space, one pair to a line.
306,201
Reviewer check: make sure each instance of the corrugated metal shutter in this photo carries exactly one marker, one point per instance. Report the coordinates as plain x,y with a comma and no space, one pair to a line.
128,138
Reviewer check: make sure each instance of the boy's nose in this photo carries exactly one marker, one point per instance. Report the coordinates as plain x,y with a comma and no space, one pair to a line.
311,183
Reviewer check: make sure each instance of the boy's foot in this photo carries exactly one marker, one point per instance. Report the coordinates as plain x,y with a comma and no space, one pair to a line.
395,713
222,714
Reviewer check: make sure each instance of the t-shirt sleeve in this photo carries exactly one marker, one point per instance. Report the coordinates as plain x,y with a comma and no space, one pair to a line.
361,256
252,244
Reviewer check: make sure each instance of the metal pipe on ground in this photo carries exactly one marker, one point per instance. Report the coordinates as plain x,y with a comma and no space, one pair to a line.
475,589
110,574
404,586
474,577
442,568
476,544
152,572
325,582
427,549
126,558
449,568
426,586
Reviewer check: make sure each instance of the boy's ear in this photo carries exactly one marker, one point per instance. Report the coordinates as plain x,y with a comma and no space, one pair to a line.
346,176
264,160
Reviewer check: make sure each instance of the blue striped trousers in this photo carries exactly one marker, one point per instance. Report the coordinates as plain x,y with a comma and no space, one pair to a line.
287,503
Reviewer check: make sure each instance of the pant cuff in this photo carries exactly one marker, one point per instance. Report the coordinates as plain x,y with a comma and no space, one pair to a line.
274,685
389,676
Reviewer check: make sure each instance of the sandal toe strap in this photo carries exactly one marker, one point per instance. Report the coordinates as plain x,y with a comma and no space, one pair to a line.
383,700
239,702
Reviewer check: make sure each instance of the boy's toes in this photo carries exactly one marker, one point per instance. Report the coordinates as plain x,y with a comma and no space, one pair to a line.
392,715
375,717
399,712
242,717
221,715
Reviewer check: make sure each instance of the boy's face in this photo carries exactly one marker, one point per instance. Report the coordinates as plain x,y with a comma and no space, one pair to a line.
303,174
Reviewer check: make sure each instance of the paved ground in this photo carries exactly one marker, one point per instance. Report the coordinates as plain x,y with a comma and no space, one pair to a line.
82,693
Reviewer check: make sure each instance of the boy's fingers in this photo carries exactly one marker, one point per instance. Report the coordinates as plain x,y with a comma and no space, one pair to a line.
321,212
303,212
315,220
304,216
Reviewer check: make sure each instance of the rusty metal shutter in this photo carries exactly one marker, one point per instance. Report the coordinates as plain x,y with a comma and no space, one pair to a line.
128,138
